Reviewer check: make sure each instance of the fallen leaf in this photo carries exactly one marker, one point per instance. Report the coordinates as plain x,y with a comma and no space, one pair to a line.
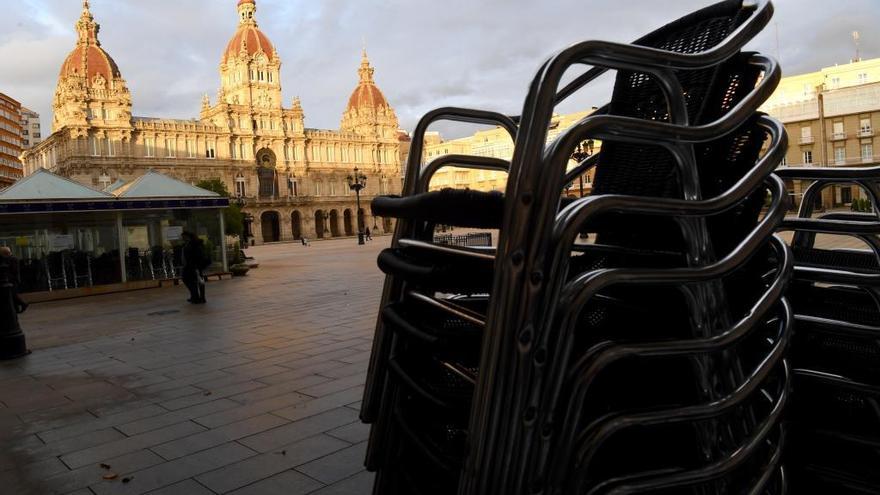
105,466
208,393
111,476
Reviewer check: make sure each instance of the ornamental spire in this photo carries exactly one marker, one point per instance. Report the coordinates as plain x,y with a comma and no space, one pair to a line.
247,10
366,71
86,27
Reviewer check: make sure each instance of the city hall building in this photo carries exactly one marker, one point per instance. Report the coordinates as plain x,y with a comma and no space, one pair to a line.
292,179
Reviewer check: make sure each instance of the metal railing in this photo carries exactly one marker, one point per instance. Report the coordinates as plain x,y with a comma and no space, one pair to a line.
469,239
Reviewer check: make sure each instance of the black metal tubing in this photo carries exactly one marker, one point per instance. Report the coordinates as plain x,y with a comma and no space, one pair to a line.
578,291
571,220
830,173
601,355
582,167
838,326
392,288
708,473
773,467
806,227
484,254
520,271
835,276
652,131
414,160
462,161
642,57
597,432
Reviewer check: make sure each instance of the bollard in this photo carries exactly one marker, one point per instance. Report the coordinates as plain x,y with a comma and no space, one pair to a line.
12,341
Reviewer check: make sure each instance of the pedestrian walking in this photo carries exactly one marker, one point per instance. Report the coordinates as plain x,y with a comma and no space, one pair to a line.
194,264
367,234
9,260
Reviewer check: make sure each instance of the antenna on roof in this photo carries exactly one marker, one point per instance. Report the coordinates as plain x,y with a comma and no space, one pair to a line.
856,38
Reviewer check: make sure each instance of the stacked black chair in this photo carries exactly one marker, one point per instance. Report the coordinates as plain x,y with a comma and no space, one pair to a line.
80,268
835,418
649,361
55,266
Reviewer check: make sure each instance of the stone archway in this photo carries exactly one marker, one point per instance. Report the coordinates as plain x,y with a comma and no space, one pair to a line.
346,222
296,225
334,223
270,222
266,174
319,224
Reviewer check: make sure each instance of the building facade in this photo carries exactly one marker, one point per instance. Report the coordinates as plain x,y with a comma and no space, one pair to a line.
831,116
496,143
10,141
31,132
292,179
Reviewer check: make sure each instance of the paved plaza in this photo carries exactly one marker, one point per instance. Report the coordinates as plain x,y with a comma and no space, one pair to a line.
255,393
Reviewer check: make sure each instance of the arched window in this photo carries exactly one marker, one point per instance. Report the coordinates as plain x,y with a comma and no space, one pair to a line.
240,185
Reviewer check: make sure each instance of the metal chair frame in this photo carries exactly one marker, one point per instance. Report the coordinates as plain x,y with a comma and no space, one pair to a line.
528,290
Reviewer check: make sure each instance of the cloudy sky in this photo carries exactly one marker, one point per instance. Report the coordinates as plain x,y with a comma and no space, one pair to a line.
475,53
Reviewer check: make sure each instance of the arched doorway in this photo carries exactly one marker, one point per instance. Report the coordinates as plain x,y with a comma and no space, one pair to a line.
266,173
270,223
319,224
346,221
334,223
296,225
361,223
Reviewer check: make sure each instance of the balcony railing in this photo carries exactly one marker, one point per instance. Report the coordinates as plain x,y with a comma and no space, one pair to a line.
867,160
838,136
866,133
807,140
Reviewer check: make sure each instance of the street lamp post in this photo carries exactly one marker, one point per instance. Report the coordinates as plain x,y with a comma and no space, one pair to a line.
247,221
583,151
356,183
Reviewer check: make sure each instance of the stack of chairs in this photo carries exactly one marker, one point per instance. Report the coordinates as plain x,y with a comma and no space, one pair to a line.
55,265
835,413
649,361
80,267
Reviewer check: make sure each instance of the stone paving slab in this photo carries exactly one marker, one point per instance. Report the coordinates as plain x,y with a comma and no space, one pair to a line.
255,393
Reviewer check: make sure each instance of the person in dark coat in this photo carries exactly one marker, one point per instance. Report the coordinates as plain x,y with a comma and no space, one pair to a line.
367,234
8,259
194,262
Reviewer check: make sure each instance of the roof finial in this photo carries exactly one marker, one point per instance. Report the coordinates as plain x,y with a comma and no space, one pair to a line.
246,11
365,71
87,27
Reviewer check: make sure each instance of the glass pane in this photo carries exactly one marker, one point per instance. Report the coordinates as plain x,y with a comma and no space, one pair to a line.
63,251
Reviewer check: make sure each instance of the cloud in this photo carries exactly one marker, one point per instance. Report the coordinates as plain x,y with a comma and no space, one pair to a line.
427,54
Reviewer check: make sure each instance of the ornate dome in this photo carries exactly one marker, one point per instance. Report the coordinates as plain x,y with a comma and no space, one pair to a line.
366,95
88,59
251,40
248,38
368,112
90,91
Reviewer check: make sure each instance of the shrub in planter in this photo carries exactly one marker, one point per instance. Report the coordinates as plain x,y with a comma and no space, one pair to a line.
239,270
